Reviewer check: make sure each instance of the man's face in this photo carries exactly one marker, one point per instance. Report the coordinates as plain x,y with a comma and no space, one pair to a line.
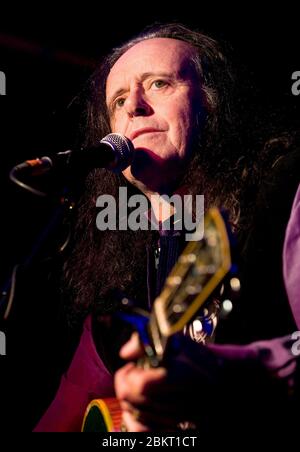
151,93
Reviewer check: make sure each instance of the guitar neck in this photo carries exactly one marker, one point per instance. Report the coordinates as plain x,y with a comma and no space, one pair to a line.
199,270
158,342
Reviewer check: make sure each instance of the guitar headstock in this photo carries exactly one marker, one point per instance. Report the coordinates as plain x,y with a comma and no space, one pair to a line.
199,270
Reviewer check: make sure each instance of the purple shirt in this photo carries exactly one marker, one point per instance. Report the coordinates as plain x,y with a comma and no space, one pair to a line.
291,259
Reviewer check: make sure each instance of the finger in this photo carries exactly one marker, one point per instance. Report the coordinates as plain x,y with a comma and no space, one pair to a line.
143,421
132,423
120,379
132,349
134,384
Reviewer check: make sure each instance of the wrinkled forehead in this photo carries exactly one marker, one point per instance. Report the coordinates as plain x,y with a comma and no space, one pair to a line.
151,55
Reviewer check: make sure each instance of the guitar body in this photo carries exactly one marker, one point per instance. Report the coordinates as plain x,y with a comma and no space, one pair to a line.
103,415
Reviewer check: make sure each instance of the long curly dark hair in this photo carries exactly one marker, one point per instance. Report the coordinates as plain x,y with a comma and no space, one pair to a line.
222,168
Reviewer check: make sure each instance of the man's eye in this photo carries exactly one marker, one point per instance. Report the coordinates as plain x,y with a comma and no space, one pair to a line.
120,102
159,83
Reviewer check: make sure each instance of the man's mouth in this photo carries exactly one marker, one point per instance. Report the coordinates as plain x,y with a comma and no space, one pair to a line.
143,131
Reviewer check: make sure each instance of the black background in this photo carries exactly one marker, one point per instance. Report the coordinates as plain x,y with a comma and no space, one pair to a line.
47,55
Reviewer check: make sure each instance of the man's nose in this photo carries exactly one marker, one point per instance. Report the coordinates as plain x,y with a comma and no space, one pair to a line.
137,105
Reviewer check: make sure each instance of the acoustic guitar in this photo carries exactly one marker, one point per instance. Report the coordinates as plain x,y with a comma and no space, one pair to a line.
199,271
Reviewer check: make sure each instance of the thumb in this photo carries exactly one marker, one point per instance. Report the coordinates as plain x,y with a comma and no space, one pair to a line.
132,349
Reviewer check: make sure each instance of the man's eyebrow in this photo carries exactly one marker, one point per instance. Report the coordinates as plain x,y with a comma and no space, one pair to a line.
116,94
142,78
146,75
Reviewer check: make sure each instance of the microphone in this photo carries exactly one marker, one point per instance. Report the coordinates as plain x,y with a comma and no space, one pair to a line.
113,152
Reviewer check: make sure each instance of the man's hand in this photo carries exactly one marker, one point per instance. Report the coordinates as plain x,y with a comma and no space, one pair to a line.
133,389
160,398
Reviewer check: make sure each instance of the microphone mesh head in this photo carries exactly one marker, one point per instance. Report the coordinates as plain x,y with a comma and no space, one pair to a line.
123,149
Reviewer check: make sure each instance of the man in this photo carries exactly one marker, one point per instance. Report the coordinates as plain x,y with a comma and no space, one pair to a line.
170,91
